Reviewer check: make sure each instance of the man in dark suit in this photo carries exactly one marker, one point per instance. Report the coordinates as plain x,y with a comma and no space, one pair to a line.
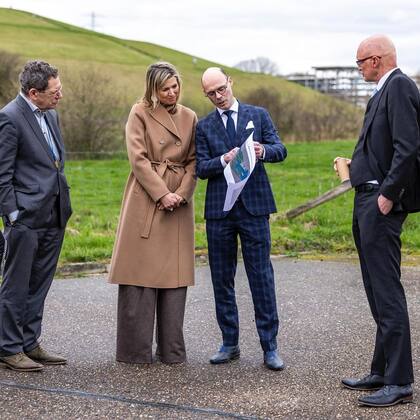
385,173
35,205
218,137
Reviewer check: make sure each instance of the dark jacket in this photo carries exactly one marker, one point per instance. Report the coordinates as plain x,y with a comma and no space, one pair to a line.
30,180
391,140
212,141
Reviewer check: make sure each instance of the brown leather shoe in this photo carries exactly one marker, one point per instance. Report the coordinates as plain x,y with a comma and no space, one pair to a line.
20,362
40,355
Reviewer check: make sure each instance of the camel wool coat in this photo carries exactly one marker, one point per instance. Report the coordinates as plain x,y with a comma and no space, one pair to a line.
155,248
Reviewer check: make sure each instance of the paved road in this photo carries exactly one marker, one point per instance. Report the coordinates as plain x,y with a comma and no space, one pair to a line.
326,333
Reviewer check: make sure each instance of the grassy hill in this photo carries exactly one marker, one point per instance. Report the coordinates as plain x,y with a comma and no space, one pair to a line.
97,186
70,47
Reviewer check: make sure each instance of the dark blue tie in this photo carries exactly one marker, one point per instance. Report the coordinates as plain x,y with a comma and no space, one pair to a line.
230,127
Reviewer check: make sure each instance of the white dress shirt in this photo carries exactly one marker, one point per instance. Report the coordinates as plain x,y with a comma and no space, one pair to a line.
235,109
383,79
234,115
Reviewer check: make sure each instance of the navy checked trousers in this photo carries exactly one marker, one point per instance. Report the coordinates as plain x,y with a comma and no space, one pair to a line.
222,237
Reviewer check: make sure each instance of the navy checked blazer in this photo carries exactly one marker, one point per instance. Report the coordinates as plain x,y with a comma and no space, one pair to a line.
212,142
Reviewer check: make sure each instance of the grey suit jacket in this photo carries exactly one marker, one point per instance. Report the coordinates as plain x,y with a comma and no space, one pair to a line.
29,178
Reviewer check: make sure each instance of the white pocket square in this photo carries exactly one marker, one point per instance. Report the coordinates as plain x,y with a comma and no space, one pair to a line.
249,125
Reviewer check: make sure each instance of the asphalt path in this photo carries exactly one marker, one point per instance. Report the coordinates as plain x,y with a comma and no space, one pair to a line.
326,334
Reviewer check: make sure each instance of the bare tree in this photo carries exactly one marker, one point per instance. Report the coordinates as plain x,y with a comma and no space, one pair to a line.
93,112
247,65
9,71
266,66
259,65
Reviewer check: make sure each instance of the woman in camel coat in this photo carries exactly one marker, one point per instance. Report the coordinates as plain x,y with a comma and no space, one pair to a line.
153,257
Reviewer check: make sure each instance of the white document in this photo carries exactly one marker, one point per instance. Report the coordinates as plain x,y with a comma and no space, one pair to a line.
239,169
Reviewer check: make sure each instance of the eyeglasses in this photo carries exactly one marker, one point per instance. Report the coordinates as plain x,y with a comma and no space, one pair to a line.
220,90
53,94
362,60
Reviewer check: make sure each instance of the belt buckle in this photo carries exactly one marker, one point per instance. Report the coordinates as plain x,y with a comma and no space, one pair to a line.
368,187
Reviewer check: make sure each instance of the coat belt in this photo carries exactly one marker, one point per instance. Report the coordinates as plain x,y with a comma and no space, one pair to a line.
160,168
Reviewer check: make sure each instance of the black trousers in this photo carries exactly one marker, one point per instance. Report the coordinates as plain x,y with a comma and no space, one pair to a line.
28,273
378,243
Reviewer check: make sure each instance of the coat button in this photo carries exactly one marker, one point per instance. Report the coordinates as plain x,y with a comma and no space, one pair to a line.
162,142
178,143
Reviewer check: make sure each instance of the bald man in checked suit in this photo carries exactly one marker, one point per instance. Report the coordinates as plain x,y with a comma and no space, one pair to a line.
218,137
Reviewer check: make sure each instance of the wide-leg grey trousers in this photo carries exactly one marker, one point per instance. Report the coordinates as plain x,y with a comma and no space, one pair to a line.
137,309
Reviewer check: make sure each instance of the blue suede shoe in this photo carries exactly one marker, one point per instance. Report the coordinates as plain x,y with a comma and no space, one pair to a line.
273,361
225,354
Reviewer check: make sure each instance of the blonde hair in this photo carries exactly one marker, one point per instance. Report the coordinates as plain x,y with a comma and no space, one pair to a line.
156,75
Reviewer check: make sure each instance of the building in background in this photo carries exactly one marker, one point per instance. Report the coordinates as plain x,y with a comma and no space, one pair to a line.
343,82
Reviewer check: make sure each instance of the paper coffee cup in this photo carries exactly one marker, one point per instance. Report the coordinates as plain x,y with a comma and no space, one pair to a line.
343,169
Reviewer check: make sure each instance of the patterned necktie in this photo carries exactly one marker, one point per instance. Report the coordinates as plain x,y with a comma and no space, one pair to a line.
230,127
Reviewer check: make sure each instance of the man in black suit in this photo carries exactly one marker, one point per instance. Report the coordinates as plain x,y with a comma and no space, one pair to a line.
384,170
35,205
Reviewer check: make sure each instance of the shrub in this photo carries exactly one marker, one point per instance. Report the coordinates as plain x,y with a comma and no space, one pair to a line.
9,72
93,112
314,120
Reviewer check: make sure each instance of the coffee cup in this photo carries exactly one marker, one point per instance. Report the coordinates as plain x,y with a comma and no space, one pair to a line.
342,169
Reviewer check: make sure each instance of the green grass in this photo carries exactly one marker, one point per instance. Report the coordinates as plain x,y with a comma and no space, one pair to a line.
125,61
97,187
96,192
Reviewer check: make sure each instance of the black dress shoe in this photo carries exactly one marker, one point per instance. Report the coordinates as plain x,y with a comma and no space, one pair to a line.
273,361
368,383
225,354
388,395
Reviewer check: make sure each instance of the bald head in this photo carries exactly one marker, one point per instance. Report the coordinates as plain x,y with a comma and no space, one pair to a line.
383,48
217,86
211,74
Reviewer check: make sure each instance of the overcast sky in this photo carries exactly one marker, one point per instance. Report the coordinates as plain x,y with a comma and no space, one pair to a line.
296,34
